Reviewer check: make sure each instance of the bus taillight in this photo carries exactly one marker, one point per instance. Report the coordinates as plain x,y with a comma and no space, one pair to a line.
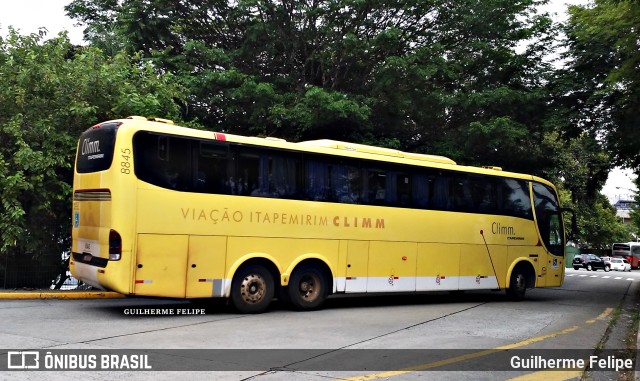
115,245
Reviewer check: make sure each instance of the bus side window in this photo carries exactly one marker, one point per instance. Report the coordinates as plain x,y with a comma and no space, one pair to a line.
163,161
316,180
283,175
460,194
515,198
210,168
420,191
266,173
345,183
178,164
377,185
441,192
163,148
483,194
391,193
403,186
248,177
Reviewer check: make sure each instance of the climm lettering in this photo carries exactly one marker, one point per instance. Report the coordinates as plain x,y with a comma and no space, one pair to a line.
497,228
89,146
355,222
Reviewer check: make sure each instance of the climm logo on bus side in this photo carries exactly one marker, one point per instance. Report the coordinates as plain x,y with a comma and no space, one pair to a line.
506,230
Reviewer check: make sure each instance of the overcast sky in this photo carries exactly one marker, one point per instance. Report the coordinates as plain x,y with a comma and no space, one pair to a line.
29,15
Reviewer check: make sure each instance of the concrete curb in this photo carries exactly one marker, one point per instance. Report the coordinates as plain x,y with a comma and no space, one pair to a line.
22,295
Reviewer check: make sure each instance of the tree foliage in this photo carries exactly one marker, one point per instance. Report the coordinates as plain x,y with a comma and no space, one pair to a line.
604,56
50,92
428,76
599,225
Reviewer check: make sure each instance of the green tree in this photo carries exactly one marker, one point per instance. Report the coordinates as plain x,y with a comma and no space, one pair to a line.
580,172
428,76
50,92
604,56
599,226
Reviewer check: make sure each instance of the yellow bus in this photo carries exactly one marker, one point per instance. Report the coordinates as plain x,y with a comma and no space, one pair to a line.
167,211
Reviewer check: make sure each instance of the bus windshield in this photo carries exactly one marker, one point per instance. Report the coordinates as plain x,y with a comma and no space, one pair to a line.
549,218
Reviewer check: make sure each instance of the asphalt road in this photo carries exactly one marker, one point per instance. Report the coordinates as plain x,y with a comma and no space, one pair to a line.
395,337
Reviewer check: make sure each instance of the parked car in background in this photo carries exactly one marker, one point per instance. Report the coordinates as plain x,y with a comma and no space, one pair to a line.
620,264
591,262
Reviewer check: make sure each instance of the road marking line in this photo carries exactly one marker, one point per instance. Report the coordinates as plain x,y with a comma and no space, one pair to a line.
618,277
550,375
593,276
629,278
582,275
602,316
606,277
482,353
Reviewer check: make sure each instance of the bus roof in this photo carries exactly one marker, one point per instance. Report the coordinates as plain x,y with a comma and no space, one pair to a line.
326,146
335,144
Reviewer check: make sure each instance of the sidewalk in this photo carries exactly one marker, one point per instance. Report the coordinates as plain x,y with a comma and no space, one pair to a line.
618,337
57,294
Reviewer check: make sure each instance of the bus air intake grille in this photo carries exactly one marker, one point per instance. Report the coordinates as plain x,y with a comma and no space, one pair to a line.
92,195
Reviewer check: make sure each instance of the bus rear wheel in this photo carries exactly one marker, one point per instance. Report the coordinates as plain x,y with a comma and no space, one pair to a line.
307,288
252,289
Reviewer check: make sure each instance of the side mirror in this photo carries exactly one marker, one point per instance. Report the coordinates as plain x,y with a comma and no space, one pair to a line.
573,233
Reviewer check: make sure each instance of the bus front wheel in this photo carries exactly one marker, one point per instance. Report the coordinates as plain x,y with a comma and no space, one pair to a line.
252,289
307,288
517,284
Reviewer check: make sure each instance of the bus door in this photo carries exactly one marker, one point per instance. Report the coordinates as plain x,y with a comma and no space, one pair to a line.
392,266
206,266
479,265
540,257
555,270
160,265
438,267
551,243
357,264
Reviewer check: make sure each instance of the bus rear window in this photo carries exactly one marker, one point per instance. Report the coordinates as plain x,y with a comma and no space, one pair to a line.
95,149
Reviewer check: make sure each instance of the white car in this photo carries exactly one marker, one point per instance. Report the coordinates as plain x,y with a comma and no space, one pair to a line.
620,264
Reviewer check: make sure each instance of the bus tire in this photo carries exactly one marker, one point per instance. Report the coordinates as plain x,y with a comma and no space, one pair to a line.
308,288
517,284
252,289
